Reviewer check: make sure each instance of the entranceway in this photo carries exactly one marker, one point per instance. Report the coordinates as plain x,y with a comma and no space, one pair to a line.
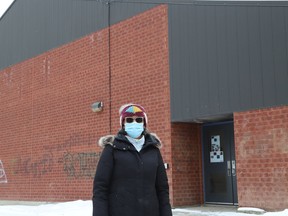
220,184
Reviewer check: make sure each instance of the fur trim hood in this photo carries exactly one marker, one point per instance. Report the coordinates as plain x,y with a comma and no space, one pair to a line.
149,137
106,140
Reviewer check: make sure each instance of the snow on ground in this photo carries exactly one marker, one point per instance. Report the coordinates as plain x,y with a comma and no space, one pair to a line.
76,208
191,212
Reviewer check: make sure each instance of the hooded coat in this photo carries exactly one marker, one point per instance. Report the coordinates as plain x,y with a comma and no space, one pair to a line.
128,182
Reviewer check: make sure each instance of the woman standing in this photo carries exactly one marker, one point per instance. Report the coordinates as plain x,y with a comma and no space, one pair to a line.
131,178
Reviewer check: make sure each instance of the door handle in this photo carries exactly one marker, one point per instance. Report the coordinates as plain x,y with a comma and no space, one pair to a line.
233,168
228,168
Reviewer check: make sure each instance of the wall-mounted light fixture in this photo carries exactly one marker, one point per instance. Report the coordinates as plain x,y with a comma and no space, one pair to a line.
97,107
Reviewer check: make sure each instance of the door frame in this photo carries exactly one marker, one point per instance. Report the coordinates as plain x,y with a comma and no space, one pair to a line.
203,162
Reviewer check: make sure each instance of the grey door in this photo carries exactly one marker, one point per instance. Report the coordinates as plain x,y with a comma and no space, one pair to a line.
220,184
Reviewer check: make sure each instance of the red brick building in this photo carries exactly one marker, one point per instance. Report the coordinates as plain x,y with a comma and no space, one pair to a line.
220,152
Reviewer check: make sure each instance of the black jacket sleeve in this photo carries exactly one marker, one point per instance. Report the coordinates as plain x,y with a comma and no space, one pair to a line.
162,188
102,182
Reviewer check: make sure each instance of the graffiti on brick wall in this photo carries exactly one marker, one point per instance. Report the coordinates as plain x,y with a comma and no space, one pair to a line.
3,177
74,140
36,167
80,165
76,165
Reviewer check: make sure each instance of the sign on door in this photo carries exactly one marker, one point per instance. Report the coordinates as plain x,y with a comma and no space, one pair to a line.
216,155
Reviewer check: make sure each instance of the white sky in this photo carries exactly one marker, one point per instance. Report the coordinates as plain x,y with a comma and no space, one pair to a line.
79,207
4,4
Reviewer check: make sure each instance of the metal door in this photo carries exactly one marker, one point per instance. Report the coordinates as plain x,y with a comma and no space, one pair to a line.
220,184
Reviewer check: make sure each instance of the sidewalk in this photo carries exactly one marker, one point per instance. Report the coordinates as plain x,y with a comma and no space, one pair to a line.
205,210
24,203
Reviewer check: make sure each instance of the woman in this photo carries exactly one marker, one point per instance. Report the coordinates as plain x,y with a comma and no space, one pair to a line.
131,178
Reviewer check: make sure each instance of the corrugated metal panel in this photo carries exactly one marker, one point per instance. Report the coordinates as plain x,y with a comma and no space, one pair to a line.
208,2
32,27
121,10
227,58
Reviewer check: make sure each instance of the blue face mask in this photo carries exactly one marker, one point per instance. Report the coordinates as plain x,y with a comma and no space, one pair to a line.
134,129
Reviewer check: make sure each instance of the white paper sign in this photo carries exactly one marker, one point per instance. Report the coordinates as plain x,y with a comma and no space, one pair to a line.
216,156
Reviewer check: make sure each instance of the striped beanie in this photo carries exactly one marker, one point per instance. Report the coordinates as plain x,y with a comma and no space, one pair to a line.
128,110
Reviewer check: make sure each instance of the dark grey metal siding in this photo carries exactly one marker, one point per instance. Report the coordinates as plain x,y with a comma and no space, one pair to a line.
32,27
121,10
227,58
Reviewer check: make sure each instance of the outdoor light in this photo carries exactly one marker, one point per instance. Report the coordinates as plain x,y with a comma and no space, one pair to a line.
97,106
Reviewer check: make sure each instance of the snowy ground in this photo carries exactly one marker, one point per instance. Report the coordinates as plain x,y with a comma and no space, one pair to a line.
84,208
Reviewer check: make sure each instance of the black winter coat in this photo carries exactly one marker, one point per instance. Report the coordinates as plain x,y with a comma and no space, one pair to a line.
128,182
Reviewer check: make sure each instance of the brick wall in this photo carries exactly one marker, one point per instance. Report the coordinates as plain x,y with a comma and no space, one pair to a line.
140,72
261,138
187,164
49,133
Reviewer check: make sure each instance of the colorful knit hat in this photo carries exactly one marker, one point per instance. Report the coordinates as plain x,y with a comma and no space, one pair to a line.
131,109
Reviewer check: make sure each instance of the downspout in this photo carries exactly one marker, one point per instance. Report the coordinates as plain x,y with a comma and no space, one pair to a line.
109,66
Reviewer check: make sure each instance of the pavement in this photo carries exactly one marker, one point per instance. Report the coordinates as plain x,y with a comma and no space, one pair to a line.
17,202
203,210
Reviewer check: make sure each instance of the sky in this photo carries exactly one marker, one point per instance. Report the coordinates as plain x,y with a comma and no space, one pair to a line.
4,4
80,207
